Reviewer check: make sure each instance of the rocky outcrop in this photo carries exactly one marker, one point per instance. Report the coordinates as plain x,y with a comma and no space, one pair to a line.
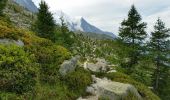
110,90
19,17
9,42
100,66
68,66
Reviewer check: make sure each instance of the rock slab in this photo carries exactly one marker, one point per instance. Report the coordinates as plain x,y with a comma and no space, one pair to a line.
68,66
110,90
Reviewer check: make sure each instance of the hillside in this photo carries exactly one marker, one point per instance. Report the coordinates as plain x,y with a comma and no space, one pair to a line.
18,15
71,66
42,51
28,4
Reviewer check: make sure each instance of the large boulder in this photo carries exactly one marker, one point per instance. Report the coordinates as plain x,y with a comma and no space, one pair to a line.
100,66
68,66
110,90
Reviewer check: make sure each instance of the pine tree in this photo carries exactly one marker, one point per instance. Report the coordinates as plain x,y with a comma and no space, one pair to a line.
2,6
45,24
64,27
133,30
132,33
160,52
67,35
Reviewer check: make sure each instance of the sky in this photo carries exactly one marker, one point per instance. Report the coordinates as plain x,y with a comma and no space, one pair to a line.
108,14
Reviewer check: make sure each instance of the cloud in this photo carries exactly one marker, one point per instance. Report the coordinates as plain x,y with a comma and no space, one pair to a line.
151,20
108,14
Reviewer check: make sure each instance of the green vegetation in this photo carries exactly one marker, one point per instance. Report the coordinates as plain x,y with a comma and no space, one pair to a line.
78,80
132,33
2,6
17,70
45,24
160,52
31,72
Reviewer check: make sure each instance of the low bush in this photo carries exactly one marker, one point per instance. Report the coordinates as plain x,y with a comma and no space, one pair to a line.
8,31
17,70
78,81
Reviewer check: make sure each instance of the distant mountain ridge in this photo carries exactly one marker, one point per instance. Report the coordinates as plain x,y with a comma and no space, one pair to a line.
28,4
80,24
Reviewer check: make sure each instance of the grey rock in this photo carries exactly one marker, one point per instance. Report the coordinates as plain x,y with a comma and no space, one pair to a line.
9,42
111,90
100,66
21,18
91,90
68,66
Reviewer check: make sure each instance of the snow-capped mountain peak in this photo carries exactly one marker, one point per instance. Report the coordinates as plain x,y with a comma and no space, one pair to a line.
79,24
74,24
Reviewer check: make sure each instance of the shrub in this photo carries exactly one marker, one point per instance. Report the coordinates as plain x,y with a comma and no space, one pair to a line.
8,31
78,81
2,6
17,70
49,58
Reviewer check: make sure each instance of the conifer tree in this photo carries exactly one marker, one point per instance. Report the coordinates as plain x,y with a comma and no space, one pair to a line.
132,33
67,35
133,30
160,52
2,6
45,24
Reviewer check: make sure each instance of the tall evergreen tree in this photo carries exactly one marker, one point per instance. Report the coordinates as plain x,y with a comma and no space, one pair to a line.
45,24
2,6
160,52
132,33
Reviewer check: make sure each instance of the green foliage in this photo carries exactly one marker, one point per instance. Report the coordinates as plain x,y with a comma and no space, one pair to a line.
159,52
64,36
132,33
69,87
7,30
8,96
49,56
2,6
133,30
143,70
44,81
17,70
78,81
45,24
57,90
